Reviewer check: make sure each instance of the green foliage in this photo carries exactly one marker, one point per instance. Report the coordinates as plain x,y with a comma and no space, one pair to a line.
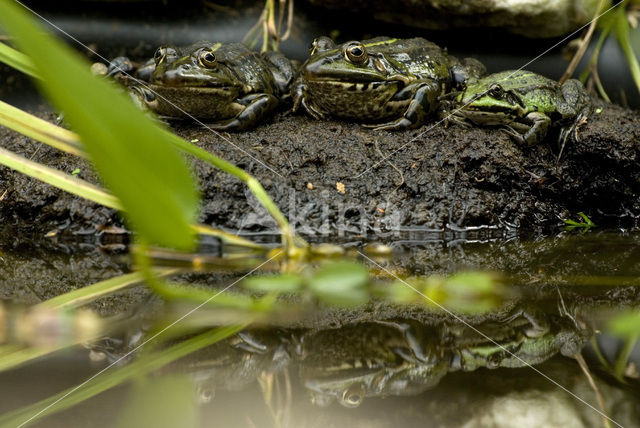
116,376
285,283
17,60
615,22
165,401
135,157
467,292
626,325
341,283
585,224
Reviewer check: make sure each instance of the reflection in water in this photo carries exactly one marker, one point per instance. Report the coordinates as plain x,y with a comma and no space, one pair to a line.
377,358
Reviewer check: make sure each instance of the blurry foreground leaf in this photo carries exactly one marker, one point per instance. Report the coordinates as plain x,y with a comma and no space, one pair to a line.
468,292
168,401
626,325
133,155
17,60
285,283
341,283
114,377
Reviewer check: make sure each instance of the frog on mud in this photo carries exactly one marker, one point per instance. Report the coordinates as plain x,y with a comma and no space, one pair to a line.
225,84
523,104
394,83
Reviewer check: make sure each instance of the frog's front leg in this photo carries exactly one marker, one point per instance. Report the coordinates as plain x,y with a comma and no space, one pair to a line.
539,126
257,106
424,100
300,99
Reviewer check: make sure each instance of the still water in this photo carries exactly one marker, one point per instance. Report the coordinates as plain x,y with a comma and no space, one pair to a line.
512,363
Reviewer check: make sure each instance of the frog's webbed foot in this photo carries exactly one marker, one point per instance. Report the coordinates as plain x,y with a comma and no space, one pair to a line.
424,100
414,352
539,324
539,127
248,342
397,125
570,132
257,107
120,65
299,99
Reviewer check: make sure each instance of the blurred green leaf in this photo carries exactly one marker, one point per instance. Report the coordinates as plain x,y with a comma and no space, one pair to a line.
622,29
17,60
341,283
472,283
626,325
285,283
168,401
133,155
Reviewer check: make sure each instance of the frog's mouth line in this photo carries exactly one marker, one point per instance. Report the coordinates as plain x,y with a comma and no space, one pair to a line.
358,86
186,87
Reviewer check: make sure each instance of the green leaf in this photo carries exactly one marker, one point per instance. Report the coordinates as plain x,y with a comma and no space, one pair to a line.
167,401
341,284
133,155
285,283
626,324
17,60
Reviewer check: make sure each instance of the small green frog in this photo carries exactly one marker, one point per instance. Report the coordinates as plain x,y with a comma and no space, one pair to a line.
523,104
226,84
393,81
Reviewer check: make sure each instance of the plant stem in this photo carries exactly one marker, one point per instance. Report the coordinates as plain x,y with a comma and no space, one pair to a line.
41,130
289,240
583,45
17,60
56,178
89,293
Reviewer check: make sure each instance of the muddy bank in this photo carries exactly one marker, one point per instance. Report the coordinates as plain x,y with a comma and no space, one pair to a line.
331,177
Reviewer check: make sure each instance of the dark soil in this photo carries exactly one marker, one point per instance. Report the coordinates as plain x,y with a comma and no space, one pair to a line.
337,177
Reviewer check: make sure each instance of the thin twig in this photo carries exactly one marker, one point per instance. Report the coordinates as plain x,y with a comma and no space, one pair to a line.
583,45
585,369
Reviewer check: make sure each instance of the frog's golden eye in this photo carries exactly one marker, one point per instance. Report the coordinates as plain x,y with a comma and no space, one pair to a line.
207,59
355,53
495,91
353,396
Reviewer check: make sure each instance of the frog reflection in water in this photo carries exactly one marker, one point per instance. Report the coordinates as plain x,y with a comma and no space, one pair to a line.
523,104
225,84
527,337
393,81
406,358
367,360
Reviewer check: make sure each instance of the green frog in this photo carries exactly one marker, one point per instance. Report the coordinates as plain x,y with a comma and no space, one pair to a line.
225,84
523,104
394,83
523,339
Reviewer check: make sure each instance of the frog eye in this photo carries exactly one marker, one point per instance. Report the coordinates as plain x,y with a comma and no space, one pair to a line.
207,59
355,53
353,395
160,54
164,52
321,44
496,91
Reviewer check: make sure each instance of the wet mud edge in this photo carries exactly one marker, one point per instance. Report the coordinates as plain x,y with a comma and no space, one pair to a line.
330,176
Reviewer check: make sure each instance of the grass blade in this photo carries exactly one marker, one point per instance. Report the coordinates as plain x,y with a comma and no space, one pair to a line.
17,60
131,153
